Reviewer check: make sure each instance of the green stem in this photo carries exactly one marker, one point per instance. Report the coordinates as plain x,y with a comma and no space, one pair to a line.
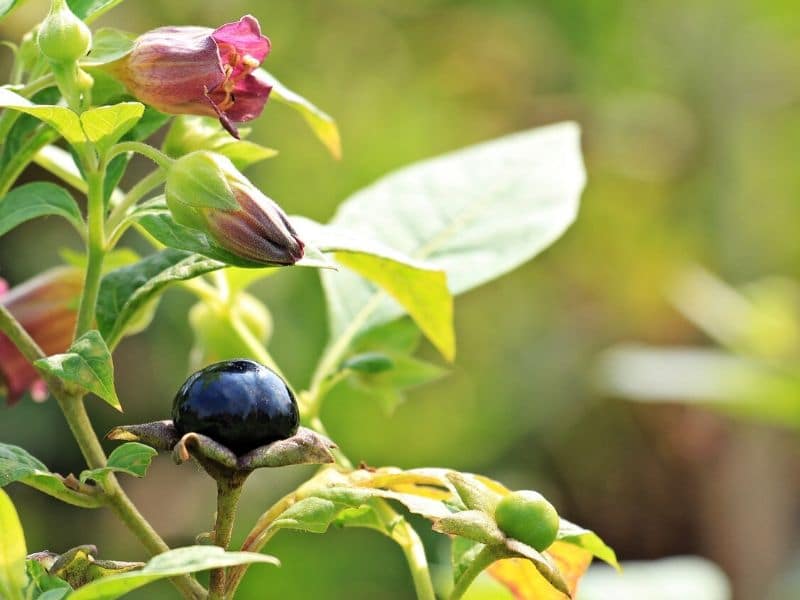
334,354
484,558
229,490
96,249
405,536
158,157
78,421
136,193
258,537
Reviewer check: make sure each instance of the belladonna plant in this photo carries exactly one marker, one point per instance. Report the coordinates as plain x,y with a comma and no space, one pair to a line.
391,261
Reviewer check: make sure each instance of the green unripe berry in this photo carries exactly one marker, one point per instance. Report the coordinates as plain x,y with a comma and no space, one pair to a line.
63,37
526,516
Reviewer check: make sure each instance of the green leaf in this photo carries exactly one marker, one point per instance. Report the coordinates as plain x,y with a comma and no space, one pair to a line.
126,292
160,224
89,10
313,515
588,540
175,562
132,458
369,363
471,524
321,123
17,465
476,214
13,578
245,154
105,125
38,199
416,286
108,45
44,581
6,6
59,118
87,364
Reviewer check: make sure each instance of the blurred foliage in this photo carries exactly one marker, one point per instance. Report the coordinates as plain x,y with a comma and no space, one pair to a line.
691,119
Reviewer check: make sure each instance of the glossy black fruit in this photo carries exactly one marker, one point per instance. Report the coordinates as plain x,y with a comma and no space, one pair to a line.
238,403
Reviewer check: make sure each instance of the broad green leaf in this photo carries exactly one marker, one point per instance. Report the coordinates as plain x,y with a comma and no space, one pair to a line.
423,294
17,465
6,6
108,45
471,524
369,363
418,287
38,199
87,364
126,292
161,225
571,533
89,10
476,214
132,458
105,125
175,562
55,594
321,123
26,130
59,118
13,578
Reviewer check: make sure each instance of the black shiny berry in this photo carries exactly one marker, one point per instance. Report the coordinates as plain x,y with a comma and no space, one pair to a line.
238,403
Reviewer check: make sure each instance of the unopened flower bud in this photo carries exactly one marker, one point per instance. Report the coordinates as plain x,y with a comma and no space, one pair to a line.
46,307
206,192
200,71
63,37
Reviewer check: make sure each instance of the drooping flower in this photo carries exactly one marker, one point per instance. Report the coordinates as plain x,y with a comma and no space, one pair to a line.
200,71
46,307
205,191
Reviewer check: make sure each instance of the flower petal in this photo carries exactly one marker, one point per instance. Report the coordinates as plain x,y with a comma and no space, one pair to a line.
244,37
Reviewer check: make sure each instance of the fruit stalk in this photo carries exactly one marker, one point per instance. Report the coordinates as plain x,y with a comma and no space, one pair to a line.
229,491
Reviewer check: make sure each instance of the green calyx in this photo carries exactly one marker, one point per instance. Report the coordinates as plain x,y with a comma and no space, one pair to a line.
200,180
63,37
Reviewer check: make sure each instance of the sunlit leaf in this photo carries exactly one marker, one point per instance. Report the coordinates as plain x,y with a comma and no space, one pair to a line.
105,125
321,123
12,551
475,214
88,10
59,118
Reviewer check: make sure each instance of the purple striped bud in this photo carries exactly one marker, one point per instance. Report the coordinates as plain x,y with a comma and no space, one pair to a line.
46,307
200,71
205,191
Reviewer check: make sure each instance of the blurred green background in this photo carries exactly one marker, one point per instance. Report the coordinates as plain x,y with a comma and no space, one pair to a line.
691,120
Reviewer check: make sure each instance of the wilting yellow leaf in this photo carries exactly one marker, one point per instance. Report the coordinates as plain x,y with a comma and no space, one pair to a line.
526,583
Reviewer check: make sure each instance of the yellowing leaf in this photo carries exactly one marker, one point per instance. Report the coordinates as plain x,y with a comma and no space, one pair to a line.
525,582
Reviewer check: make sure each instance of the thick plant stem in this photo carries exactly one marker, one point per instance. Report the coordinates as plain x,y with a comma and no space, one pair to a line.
96,250
484,558
228,492
78,421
